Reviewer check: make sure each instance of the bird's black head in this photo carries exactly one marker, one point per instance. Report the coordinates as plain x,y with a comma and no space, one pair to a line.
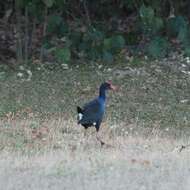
107,86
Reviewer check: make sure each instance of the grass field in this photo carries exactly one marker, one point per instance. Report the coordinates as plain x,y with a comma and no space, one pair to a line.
146,122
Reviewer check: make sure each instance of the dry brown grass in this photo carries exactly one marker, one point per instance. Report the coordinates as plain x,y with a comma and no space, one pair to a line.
54,154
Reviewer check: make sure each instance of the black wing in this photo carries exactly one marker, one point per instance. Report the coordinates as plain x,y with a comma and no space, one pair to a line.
79,110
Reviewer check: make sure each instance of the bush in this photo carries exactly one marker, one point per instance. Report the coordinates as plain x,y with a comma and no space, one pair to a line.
97,30
178,27
57,26
158,47
63,55
95,44
150,23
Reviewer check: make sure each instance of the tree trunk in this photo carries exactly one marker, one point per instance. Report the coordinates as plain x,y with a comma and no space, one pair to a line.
26,38
19,45
43,35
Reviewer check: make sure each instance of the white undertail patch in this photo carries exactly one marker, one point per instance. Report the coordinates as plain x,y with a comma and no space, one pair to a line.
80,116
94,123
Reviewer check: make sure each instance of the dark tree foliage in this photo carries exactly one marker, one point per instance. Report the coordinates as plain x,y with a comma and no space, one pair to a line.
63,30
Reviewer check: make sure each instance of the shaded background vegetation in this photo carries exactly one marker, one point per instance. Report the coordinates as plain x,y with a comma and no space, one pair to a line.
55,36
62,31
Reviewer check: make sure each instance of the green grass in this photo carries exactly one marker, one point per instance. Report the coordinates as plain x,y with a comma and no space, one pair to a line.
144,94
150,96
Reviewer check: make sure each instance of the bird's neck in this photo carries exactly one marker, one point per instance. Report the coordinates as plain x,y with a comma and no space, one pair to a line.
102,94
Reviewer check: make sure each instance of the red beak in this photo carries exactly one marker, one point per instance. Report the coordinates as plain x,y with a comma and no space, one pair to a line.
112,87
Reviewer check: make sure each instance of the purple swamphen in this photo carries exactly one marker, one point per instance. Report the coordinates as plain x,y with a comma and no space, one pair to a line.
92,113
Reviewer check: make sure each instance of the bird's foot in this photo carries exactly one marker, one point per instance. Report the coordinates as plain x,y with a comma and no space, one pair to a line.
102,143
106,145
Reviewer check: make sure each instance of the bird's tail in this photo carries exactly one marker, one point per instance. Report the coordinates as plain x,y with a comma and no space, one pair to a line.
80,114
79,110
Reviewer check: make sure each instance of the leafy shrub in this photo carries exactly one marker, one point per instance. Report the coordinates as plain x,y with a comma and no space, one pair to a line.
158,47
49,3
146,14
63,55
56,25
95,44
177,27
132,38
91,43
107,57
150,23
187,50
186,47
114,44
107,18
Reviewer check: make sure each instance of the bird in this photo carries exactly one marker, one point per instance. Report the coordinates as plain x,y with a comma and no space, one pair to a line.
92,113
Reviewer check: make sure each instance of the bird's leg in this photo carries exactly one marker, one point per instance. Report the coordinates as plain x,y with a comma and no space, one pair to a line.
83,139
99,139
85,132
